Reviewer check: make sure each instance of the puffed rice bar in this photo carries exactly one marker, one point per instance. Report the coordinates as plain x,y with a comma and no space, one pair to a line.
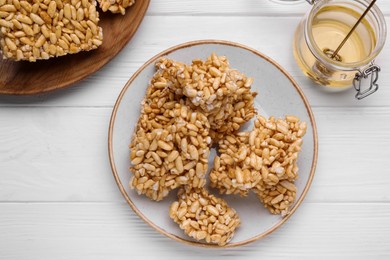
204,217
264,160
171,144
49,28
279,142
236,168
220,92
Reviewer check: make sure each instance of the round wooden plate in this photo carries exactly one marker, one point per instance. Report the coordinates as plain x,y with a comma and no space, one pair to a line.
26,78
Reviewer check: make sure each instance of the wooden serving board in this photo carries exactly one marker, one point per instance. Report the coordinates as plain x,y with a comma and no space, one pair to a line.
26,78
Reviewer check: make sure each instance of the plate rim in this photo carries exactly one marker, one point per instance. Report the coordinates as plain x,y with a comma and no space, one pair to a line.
68,84
120,184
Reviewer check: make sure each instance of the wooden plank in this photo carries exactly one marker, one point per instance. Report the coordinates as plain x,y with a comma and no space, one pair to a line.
159,33
60,154
236,8
112,230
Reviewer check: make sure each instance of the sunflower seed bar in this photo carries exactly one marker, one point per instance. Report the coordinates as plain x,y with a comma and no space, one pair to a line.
44,29
205,217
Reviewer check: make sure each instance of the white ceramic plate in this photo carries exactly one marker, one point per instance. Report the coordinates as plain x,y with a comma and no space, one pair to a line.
278,95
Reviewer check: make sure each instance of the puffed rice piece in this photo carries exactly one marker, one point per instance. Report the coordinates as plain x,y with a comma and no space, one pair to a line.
279,142
220,92
264,159
204,217
277,199
223,93
115,6
236,168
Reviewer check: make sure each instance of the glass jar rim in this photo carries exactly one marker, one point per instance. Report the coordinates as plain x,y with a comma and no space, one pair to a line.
318,53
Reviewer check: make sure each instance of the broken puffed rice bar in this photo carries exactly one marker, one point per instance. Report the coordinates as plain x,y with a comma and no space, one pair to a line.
222,93
279,142
236,169
171,144
204,217
172,155
264,159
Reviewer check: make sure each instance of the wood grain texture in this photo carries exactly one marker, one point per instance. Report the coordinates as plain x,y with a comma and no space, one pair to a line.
113,231
25,78
156,34
60,154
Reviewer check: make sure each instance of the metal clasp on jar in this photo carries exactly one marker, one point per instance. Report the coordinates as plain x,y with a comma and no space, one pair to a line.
312,2
372,70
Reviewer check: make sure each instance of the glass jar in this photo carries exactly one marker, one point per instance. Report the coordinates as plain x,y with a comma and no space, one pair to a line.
322,30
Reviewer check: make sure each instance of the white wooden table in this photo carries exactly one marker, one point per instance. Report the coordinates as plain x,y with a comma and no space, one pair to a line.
58,199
